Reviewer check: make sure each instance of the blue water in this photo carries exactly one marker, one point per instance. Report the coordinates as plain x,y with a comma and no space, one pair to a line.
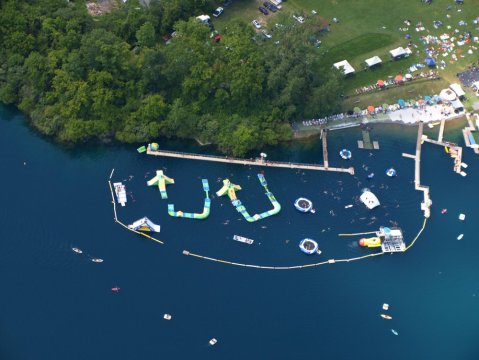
56,304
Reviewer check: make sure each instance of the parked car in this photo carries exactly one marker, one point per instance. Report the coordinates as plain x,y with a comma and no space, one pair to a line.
218,12
263,10
270,6
256,24
266,33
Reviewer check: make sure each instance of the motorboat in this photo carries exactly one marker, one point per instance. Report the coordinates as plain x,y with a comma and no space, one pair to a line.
370,176
213,341
167,317
394,332
443,211
96,260
77,250
369,199
460,237
385,306
386,317
308,246
348,206
345,154
391,172
463,173
116,289
243,239
462,216
120,192
303,204
370,242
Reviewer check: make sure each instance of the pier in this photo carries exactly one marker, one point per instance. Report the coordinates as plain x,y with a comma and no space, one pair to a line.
441,130
426,204
252,162
324,134
366,143
468,133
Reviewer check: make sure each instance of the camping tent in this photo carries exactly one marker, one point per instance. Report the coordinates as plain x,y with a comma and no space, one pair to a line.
345,66
398,52
430,62
375,60
457,89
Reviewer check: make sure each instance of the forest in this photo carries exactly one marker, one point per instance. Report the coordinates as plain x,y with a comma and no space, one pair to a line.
80,78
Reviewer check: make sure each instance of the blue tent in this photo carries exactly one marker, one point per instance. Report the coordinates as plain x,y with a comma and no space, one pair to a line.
427,99
401,103
430,61
437,98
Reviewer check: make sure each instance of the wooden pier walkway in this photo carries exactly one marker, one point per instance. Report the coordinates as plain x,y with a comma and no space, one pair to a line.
426,204
366,142
324,137
253,162
441,130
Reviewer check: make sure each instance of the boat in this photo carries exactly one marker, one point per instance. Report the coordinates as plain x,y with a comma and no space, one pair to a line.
370,242
120,192
369,199
96,260
319,252
443,211
213,341
387,317
464,165
167,317
463,173
303,204
345,154
348,206
391,172
308,246
462,216
313,211
116,289
370,176
385,306
77,250
242,239
460,237
394,332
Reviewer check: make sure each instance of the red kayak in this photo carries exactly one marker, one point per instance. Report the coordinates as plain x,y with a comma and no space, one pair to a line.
115,289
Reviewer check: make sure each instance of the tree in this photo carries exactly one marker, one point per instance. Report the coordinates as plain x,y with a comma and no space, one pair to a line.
145,36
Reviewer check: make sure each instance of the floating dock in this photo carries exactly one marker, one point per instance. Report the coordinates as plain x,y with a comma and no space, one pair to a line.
206,207
252,162
324,138
161,180
366,143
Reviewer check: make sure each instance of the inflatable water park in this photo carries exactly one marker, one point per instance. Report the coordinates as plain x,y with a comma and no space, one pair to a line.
161,180
309,246
144,224
304,205
230,189
206,206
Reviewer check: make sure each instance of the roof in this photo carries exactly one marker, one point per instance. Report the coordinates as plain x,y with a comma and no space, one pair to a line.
373,61
345,66
398,52
457,104
457,89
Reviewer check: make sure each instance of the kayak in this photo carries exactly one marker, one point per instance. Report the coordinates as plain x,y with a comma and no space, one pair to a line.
77,250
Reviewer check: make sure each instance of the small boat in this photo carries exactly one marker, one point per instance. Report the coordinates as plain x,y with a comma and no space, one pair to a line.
308,246
313,211
464,165
443,211
348,206
385,306
345,154
394,332
462,216
116,289
303,204
369,199
386,317
243,239
77,250
120,192
463,173
167,317
370,176
213,341
391,172
370,242
460,237
96,260
319,252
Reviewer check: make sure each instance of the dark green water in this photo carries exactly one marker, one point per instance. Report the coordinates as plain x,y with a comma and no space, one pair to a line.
56,304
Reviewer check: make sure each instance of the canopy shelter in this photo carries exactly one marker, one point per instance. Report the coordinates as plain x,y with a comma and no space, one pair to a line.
398,52
371,109
380,83
398,78
375,60
447,95
401,102
345,67
457,89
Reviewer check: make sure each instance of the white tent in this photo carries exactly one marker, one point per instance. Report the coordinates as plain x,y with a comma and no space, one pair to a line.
457,89
457,105
345,66
398,52
373,61
447,95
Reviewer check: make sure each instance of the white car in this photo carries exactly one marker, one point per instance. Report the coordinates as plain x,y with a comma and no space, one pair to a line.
267,34
256,24
218,12
300,19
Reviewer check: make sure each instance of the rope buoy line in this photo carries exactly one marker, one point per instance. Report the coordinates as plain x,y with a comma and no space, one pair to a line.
122,224
331,261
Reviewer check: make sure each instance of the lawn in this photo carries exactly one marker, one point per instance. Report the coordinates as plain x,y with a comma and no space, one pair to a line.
373,27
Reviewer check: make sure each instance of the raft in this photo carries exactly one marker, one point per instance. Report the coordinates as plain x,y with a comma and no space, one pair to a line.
202,215
308,246
304,205
391,172
370,242
345,154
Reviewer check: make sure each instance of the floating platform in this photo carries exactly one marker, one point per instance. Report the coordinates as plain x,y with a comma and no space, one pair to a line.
206,206
120,192
243,239
161,180
366,142
144,224
392,239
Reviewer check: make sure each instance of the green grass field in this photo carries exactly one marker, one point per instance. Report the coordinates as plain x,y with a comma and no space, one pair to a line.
368,28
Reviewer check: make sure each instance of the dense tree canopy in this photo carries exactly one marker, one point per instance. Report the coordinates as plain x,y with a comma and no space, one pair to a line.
82,78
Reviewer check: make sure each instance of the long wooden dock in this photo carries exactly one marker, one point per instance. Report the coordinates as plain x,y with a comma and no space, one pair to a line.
441,130
324,137
252,162
426,204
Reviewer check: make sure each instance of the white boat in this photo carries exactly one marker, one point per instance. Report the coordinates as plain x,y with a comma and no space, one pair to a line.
385,306
369,199
77,250
386,317
213,341
460,237
462,216
120,192
464,165
97,260
167,317
463,173
242,239
394,332
348,206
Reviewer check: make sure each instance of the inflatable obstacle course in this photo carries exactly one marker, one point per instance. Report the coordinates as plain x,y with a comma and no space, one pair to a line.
161,180
206,207
144,224
230,190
